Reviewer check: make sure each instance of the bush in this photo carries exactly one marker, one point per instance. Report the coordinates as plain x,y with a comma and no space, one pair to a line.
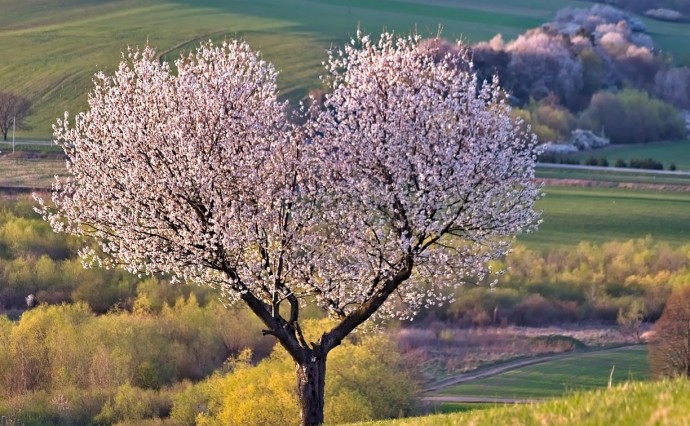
669,352
597,161
631,116
547,119
131,404
645,163
366,381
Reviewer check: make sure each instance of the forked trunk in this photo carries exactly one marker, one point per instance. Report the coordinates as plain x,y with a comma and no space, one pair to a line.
311,379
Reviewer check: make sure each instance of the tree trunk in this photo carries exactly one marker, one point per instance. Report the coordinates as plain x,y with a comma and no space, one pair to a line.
311,379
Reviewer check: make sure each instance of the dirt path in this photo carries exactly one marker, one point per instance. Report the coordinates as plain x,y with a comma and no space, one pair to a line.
492,371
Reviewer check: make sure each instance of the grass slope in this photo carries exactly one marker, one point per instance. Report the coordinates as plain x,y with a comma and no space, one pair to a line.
637,403
50,50
574,214
554,378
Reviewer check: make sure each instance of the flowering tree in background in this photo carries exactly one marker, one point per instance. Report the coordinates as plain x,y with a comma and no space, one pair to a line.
407,181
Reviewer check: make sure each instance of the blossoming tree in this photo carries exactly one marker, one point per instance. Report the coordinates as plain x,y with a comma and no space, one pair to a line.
408,180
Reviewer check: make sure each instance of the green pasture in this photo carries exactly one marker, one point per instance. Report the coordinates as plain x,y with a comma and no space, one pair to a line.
51,50
676,152
663,403
574,214
555,378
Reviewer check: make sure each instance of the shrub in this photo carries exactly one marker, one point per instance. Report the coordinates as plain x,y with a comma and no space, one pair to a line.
646,163
547,119
669,352
366,381
631,116
597,161
131,404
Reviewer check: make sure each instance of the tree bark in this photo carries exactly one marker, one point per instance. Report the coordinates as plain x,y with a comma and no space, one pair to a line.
311,380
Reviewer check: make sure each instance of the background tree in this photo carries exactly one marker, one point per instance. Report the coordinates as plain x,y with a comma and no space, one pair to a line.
411,181
13,110
630,319
669,348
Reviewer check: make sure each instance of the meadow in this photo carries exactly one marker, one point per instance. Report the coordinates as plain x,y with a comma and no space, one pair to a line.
574,214
52,49
633,403
556,378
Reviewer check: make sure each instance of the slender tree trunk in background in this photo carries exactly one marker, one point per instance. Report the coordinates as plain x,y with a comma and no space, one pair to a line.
311,380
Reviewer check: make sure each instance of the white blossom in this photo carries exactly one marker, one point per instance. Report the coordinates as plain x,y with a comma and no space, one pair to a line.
408,181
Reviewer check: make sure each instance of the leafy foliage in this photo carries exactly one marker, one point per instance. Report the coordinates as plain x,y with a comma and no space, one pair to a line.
367,381
585,283
631,116
57,347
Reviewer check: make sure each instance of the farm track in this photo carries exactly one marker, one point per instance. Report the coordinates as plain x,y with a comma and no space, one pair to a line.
432,390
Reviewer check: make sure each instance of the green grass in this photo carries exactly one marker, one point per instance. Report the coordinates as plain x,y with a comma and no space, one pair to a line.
574,214
460,407
677,152
51,50
639,403
555,378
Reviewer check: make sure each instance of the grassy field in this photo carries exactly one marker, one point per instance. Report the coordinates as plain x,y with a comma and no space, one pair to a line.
635,403
50,50
676,152
554,378
573,214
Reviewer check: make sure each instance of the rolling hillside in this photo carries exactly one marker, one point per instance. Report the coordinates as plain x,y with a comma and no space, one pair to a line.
51,49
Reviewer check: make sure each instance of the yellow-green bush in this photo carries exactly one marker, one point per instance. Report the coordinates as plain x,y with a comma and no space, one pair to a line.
365,379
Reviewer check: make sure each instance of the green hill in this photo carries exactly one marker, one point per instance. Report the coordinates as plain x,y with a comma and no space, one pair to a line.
638,403
50,50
